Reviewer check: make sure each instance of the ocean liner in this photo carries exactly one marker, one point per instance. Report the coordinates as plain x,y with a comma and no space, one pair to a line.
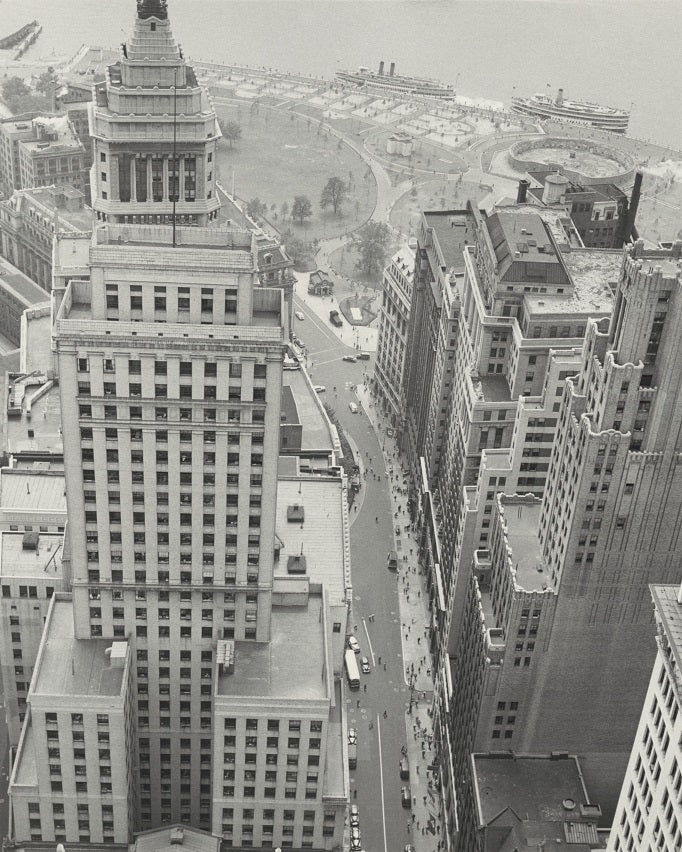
396,84
572,112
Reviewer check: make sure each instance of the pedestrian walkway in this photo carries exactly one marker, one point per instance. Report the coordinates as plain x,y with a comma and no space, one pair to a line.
423,827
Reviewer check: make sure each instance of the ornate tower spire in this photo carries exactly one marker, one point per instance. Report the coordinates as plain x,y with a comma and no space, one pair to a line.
152,9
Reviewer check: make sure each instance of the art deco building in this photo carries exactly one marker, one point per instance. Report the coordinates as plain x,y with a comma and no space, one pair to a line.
562,587
180,680
649,812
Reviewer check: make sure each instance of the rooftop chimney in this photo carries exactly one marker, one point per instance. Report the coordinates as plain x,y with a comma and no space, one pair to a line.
522,191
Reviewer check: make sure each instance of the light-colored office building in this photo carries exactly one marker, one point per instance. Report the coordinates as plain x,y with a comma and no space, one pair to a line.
649,812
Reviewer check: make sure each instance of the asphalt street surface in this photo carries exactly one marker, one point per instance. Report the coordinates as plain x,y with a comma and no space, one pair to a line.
376,781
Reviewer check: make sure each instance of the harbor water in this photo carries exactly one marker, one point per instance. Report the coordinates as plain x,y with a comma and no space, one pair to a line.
620,53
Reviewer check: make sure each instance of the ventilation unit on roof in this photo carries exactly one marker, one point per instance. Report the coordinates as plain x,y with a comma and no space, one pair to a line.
29,541
177,836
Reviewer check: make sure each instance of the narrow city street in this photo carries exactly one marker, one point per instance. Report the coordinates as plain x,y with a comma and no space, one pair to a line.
389,608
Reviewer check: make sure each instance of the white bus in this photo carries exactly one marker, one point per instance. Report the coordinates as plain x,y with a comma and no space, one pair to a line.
352,672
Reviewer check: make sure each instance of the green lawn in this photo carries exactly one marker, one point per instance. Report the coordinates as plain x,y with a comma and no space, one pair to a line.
433,195
281,155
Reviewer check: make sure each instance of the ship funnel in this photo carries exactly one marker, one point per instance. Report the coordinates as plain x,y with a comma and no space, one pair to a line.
392,69
522,191
381,68
560,97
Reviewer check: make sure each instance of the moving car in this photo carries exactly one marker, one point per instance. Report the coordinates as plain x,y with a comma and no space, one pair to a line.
354,815
353,407
353,644
406,796
352,736
320,388
405,769
355,833
350,358
300,315
355,845
363,356
392,560
365,666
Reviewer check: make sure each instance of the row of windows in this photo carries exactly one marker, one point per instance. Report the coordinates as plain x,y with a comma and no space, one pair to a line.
184,415
185,368
210,392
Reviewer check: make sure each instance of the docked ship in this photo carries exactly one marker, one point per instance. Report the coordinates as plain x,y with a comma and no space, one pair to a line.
573,112
396,84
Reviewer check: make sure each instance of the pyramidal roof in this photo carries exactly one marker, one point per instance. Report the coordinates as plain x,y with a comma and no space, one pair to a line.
152,9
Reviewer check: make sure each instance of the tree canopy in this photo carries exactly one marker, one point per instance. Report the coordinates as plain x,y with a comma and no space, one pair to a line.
302,208
334,194
231,130
372,242
19,98
255,208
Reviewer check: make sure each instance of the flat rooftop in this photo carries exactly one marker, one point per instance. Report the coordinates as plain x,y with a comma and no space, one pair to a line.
45,561
13,280
69,666
524,229
334,765
58,126
522,519
492,388
315,432
454,229
535,787
290,666
32,491
44,422
669,611
594,273
47,199
320,538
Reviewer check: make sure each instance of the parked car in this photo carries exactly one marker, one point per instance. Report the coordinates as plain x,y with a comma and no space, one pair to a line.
350,358
392,560
405,769
320,388
397,530
354,815
335,319
364,665
353,644
300,315
355,833
355,845
406,796
363,356
353,407
352,736
409,847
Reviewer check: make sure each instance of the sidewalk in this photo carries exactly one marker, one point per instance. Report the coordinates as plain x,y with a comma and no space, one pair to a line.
423,827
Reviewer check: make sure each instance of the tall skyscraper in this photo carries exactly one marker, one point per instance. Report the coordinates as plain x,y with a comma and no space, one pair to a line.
560,593
169,686
649,812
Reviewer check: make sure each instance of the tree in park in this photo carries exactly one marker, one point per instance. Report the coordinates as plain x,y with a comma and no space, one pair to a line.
372,242
231,131
302,208
255,208
284,210
334,194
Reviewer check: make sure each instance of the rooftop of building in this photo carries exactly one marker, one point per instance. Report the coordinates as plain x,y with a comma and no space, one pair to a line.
522,522
517,234
20,285
212,242
594,273
669,610
32,491
53,131
289,667
34,424
31,554
540,799
176,838
599,191
453,229
492,388
316,433
66,200
558,223
322,535
70,667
